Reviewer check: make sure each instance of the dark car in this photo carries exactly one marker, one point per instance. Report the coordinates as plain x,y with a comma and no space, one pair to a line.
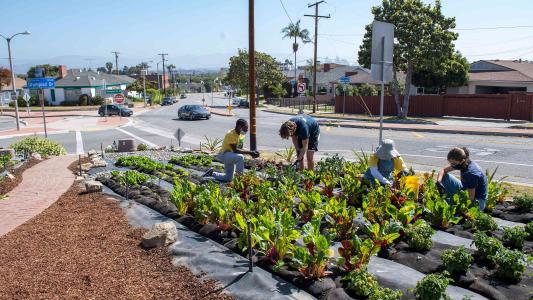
167,101
244,103
193,112
183,96
114,109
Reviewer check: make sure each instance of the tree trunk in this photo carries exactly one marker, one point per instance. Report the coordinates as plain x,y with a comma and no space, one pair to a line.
408,79
396,92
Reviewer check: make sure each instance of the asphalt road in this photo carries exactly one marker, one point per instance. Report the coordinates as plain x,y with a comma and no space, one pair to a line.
424,151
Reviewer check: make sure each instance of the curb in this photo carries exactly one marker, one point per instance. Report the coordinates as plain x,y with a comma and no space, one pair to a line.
476,132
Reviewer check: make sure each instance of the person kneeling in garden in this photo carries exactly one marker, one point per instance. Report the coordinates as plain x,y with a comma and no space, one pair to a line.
473,180
232,153
383,162
305,133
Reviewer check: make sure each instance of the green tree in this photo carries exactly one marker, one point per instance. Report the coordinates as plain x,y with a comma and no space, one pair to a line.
5,77
109,67
49,71
279,90
424,43
293,31
266,68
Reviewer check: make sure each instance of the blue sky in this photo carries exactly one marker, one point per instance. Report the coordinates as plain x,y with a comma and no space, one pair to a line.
140,29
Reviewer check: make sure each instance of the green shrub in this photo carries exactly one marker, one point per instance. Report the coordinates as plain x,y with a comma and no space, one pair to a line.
457,261
514,237
432,287
97,100
485,222
382,293
360,282
486,246
524,203
529,230
142,147
41,145
419,236
511,264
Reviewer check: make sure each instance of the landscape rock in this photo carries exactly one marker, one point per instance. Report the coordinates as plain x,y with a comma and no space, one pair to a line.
99,163
79,178
10,176
36,156
92,152
161,234
86,166
93,186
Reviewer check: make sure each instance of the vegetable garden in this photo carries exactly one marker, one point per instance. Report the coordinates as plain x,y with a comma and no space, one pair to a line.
322,229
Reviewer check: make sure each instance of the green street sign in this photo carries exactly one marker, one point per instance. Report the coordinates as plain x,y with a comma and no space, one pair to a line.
113,92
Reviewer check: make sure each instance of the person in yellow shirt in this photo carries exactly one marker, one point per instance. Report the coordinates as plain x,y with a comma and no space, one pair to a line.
232,153
383,162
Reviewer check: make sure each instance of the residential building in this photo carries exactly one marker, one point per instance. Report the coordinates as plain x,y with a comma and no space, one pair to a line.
19,84
498,77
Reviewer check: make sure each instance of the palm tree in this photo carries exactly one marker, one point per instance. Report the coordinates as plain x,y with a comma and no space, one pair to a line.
109,67
170,68
293,30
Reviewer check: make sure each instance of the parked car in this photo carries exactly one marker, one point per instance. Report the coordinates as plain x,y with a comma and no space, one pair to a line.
244,103
236,101
174,99
114,109
183,96
166,101
193,112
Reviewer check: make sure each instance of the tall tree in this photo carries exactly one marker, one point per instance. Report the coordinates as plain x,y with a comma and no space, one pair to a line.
49,71
293,31
5,78
171,67
109,67
423,44
266,67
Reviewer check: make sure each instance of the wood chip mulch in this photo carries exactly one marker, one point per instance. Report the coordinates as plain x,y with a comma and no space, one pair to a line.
7,185
83,247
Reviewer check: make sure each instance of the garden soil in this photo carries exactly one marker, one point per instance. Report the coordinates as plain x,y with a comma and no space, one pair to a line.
83,247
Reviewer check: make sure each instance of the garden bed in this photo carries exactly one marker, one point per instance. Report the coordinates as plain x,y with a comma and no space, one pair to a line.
7,184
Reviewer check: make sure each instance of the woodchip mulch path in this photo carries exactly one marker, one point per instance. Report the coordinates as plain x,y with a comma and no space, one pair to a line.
6,184
83,247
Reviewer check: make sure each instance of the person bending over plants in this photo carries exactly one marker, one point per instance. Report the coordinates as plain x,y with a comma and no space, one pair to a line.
473,180
305,133
384,162
232,153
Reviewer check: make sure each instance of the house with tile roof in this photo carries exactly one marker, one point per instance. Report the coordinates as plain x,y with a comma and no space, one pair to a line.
498,77
76,83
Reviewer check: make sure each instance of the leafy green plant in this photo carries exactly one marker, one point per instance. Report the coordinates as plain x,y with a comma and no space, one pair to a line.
355,253
383,293
441,214
457,260
6,162
384,235
496,190
484,222
310,202
241,224
432,287
529,230
142,147
41,145
212,145
183,195
288,155
510,264
340,218
360,282
331,165
486,246
419,236
514,237
329,181
146,165
352,189
189,160
524,203
312,259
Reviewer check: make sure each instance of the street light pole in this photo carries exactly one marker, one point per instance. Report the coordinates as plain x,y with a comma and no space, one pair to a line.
251,74
13,84
157,70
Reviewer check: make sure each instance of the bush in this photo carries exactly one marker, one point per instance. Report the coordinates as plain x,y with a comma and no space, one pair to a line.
486,246
360,282
97,100
432,287
457,261
511,264
524,203
381,293
485,222
419,236
41,145
529,230
514,237
142,147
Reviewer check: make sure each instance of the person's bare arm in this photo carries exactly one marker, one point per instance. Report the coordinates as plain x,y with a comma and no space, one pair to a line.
305,145
240,151
444,170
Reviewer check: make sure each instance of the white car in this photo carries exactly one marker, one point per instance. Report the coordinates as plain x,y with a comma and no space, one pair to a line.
236,101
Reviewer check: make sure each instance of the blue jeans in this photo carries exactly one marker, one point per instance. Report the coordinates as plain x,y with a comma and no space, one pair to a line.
231,161
452,186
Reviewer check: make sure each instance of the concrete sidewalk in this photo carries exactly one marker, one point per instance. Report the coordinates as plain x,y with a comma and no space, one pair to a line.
36,192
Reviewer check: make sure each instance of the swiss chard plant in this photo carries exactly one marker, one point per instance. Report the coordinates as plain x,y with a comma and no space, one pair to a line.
312,259
309,179
440,213
242,226
310,202
355,253
182,195
340,218
328,181
384,235
457,260
497,191
353,190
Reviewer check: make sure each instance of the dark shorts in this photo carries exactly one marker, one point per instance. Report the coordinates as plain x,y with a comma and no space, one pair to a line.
313,143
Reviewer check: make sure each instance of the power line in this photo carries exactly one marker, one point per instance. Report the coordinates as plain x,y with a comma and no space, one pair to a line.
282,5
501,52
493,28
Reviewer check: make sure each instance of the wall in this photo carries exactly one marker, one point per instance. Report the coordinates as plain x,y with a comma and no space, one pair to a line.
507,106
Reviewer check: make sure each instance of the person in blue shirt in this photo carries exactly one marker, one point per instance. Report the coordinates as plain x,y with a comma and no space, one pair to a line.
473,179
305,133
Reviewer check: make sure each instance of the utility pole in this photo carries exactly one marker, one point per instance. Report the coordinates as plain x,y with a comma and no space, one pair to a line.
116,60
163,60
316,16
251,74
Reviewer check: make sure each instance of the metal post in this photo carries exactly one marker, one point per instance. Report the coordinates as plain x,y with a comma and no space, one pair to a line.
251,74
13,84
105,101
382,98
41,99
79,162
144,87
314,59
102,150
249,229
344,101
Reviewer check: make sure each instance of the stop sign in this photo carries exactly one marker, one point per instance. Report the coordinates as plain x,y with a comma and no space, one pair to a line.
119,98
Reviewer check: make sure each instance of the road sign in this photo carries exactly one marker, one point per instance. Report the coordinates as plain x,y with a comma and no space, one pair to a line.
301,87
382,48
119,98
41,83
113,92
179,135
344,80
26,97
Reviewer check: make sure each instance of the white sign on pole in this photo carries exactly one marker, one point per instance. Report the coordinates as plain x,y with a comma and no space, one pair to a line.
179,135
26,97
382,51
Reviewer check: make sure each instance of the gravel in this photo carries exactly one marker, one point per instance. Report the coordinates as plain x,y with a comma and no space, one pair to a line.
83,247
